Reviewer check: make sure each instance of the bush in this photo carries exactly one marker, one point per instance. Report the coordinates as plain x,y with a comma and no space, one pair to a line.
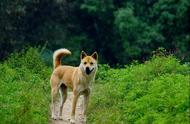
154,92
24,84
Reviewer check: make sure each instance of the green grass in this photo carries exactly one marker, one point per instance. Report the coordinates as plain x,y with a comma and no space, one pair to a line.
156,92
24,89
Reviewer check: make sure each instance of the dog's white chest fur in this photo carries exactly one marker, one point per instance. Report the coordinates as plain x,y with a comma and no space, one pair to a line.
85,84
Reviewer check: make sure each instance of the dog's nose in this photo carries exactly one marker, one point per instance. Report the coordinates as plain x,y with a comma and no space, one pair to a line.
87,68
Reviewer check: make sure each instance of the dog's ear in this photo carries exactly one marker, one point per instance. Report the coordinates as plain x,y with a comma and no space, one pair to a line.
83,54
95,55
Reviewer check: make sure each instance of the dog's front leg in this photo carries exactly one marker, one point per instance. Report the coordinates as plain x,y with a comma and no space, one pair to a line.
85,103
74,103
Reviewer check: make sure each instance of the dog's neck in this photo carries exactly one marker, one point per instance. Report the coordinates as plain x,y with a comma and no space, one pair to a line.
89,77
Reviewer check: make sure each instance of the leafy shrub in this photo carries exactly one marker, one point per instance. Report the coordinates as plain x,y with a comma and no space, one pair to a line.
154,92
24,85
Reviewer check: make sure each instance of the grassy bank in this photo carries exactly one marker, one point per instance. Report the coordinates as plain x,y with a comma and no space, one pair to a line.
154,92
24,89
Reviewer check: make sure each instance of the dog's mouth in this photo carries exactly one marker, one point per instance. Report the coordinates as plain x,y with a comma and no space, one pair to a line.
88,71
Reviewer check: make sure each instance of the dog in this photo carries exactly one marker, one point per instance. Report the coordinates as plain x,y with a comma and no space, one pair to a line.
79,79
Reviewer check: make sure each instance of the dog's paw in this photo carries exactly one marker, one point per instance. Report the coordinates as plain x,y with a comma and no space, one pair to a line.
83,119
54,117
60,118
72,121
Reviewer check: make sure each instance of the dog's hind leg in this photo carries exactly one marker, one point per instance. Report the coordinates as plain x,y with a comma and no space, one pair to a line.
74,103
54,89
63,94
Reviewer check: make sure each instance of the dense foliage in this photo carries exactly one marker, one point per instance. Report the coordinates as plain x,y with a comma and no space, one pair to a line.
120,30
154,92
25,89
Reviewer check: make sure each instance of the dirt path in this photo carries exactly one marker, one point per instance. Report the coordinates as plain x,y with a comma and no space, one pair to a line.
67,111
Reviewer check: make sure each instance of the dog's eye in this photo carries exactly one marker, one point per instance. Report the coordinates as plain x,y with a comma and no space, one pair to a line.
91,63
85,63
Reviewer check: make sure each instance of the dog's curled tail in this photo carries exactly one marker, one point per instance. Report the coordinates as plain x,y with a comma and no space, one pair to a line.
57,55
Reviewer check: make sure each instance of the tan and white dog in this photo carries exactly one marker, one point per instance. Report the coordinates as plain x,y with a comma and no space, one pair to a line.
79,79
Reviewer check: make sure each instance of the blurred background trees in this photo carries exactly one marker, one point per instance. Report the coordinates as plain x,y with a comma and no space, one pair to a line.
119,30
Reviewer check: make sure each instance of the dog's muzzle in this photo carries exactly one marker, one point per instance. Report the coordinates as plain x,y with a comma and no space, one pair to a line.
88,71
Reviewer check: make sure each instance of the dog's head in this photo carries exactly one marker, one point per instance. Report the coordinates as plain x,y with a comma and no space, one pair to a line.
88,63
